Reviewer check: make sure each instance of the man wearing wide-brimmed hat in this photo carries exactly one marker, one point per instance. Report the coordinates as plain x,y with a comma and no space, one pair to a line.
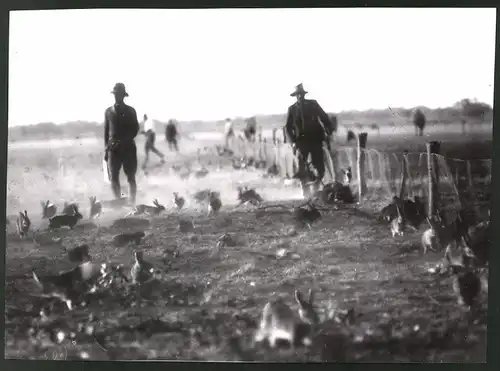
308,126
120,129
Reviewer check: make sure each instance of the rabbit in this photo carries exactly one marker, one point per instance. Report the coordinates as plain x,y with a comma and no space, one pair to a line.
214,204
48,209
389,212
248,195
79,254
179,201
203,172
429,240
156,209
398,224
279,322
70,208
305,215
23,224
95,208
466,281
449,234
68,286
225,240
202,196
141,271
414,212
123,239
65,220
347,175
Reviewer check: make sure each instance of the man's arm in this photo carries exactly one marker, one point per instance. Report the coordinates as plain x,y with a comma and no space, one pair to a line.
106,129
327,123
134,128
290,126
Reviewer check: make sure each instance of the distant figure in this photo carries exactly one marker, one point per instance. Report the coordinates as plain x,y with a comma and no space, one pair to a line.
335,123
419,121
307,134
228,131
120,129
149,145
171,135
350,135
250,130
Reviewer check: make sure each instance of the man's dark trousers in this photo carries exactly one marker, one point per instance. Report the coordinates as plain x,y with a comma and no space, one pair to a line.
123,154
149,146
315,149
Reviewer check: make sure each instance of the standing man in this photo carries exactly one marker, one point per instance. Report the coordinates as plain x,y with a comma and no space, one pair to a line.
307,134
120,129
149,144
171,135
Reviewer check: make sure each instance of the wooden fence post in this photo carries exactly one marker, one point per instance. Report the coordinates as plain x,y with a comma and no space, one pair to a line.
469,177
264,152
433,148
362,139
464,126
404,175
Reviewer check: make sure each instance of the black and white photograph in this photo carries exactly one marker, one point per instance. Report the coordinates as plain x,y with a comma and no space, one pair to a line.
249,184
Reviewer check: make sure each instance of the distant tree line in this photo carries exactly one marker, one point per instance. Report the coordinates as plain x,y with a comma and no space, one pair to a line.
464,109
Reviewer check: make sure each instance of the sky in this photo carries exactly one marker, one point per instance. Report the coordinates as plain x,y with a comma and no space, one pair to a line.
216,63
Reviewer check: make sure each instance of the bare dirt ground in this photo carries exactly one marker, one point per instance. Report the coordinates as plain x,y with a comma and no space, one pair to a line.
208,301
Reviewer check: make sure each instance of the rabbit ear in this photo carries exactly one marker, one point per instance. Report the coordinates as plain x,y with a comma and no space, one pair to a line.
21,214
25,213
311,296
299,299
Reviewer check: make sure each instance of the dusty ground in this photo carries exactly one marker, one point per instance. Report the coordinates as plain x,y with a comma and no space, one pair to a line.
206,305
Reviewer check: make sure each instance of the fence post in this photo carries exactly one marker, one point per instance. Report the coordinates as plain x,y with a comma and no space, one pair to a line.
433,148
404,175
274,135
264,152
469,177
362,138
278,157
464,126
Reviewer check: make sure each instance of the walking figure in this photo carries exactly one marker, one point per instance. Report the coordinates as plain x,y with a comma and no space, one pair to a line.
228,131
250,130
307,134
149,145
120,129
171,135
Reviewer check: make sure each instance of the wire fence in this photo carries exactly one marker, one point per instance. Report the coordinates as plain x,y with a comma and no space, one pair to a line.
382,170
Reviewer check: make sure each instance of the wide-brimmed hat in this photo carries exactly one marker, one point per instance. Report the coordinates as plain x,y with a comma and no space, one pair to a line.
299,89
119,88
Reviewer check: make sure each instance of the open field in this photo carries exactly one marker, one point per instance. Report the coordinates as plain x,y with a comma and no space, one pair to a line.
209,299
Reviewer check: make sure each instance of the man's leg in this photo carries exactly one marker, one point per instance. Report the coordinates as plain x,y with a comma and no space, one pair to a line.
318,161
159,154
146,157
176,146
303,153
130,169
115,164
